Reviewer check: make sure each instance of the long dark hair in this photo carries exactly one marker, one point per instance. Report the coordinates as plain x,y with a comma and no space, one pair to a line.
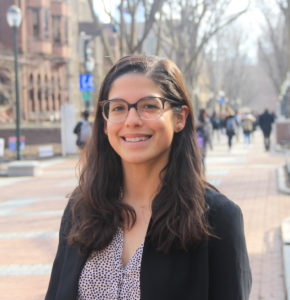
178,210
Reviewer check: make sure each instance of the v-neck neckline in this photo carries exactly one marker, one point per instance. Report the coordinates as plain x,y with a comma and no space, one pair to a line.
123,265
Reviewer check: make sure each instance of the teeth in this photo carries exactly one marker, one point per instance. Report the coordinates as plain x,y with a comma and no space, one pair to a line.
137,139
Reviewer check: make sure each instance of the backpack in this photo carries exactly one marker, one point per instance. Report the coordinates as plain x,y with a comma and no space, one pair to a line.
247,125
83,130
231,125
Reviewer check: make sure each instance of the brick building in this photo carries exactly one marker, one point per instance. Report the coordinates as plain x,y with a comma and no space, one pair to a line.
50,62
43,59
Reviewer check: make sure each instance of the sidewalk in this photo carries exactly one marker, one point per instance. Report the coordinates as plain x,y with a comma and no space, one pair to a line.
248,176
30,211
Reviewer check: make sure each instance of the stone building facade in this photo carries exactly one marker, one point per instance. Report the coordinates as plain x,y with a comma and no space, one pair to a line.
43,58
50,63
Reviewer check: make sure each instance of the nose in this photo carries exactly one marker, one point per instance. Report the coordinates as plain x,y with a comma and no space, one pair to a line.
133,118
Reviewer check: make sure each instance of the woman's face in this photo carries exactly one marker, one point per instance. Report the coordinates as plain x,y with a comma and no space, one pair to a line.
139,141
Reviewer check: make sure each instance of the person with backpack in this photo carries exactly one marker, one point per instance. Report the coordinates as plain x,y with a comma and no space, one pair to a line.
248,126
83,130
230,125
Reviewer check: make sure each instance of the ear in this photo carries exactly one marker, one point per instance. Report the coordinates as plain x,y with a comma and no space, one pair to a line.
180,118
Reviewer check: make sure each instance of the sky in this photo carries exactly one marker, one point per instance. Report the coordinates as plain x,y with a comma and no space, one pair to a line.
251,21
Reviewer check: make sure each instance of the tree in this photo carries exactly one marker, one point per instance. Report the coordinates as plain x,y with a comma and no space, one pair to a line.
188,27
273,46
130,14
6,95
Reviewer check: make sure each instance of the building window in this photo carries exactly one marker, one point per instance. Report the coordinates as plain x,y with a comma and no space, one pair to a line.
31,98
31,93
46,93
35,20
56,29
4,76
46,23
53,102
66,28
39,93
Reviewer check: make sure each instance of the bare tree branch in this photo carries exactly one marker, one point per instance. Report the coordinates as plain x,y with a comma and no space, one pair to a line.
156,7
96,21
190,29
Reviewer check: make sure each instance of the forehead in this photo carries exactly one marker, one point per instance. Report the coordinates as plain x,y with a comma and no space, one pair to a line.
133,86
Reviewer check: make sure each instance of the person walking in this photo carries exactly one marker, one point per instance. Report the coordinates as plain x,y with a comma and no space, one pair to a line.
204,133
83,130
266,120
216,124
143,223
248,127
230,126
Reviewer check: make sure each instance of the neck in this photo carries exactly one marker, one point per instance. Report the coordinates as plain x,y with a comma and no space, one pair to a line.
141,184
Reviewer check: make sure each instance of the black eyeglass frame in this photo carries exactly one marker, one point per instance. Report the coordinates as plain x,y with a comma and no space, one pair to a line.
175,103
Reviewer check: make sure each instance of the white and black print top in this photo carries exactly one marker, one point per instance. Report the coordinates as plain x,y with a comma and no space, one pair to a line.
104,277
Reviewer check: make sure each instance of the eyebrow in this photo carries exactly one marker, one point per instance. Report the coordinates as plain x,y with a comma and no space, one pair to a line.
120,98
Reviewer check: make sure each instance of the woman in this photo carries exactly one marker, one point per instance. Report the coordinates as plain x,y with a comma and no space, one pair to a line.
143,224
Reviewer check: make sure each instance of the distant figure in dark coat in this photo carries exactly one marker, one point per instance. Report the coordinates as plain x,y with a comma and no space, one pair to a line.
265,121
230,125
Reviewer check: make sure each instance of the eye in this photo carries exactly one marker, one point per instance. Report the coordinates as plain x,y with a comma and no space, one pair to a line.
150,104
116,107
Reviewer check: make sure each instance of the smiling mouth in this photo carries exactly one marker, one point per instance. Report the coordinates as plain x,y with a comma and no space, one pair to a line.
136,139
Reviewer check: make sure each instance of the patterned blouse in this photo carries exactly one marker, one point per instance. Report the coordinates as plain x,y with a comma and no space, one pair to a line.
104,277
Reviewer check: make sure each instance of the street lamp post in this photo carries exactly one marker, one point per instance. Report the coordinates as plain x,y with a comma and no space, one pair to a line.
14,20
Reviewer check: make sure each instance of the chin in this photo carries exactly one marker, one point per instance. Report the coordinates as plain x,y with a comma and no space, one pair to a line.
135,160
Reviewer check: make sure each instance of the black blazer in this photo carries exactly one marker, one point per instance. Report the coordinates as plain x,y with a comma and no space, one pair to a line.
217,270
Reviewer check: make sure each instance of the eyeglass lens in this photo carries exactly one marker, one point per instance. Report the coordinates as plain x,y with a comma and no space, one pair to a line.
147,108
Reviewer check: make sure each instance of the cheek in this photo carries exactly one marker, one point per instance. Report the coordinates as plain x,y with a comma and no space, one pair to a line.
166,131
111,131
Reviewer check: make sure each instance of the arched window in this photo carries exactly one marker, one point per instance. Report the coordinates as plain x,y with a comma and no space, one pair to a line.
31,93
59,99
46,92
31,79
54,107
39,93
53,101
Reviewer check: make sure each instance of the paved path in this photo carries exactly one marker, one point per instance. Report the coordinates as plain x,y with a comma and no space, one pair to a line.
30,211
247,175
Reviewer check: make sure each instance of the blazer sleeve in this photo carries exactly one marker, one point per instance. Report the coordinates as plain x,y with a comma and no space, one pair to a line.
229,269
59,258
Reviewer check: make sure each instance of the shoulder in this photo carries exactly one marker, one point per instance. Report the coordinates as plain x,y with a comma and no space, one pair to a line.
222,212
66,220
217,200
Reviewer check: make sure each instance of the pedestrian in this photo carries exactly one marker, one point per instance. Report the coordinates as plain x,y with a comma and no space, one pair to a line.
238,122
266,120
143,223
215,121
230,125
248,127
83,130
204,133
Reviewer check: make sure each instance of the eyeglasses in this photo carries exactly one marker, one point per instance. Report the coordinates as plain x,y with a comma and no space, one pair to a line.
148,108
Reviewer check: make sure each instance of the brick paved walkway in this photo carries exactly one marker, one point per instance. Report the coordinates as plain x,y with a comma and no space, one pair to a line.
247,175
30,210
